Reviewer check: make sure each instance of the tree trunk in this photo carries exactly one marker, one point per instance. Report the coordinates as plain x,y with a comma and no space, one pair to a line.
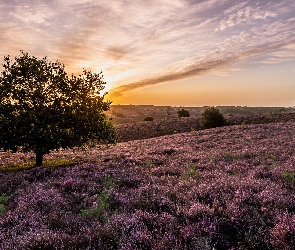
39,157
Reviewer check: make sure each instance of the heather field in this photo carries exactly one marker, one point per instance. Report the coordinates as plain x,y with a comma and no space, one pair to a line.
167,126
223,188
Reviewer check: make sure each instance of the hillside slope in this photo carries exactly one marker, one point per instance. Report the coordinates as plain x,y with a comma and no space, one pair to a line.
224,188
168,126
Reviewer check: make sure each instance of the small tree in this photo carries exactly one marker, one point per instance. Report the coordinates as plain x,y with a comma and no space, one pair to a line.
183,113
42,108
212,118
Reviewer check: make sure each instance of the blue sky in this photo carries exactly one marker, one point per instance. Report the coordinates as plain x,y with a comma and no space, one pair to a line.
179,53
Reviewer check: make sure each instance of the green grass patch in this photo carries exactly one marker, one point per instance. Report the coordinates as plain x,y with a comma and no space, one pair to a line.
17,166
61,163
190,173
289,178
47,163
103,202
3,200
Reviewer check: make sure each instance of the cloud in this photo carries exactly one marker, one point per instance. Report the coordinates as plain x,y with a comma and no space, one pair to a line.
33,14
116,53
130,39
200,68
243,13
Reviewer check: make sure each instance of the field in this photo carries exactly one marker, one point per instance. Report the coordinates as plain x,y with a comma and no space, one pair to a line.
223,188
121,114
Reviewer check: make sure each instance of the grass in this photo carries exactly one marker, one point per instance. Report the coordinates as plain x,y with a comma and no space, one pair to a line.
103,202
3,199
191,172
47,163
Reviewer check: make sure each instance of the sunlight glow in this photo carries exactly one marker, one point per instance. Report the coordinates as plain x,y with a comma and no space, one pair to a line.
174,45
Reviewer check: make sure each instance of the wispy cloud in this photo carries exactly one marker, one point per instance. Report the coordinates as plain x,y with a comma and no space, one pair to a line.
245,13
200,68
155,40
37,14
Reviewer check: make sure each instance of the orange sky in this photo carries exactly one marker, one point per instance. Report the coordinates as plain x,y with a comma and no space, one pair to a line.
178,53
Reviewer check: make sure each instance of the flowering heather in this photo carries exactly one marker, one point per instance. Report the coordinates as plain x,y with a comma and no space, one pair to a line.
223,188
168,126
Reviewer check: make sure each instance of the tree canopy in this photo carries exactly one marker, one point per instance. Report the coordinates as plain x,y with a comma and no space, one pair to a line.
212,118
42,108
183,113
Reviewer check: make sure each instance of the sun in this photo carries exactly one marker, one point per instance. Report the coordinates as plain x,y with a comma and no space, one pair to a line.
107,88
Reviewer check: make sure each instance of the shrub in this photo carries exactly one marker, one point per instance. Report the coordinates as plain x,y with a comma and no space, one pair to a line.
183,113
118,114
148,119
212,118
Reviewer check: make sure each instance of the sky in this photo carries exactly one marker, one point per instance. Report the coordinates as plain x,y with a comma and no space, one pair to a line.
164,52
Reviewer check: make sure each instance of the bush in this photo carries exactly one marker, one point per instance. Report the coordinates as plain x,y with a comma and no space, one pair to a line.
118,114
148,119
183,113
212,118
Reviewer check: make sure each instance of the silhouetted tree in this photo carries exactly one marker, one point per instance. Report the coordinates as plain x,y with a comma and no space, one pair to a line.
41,108
183,113
212,118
